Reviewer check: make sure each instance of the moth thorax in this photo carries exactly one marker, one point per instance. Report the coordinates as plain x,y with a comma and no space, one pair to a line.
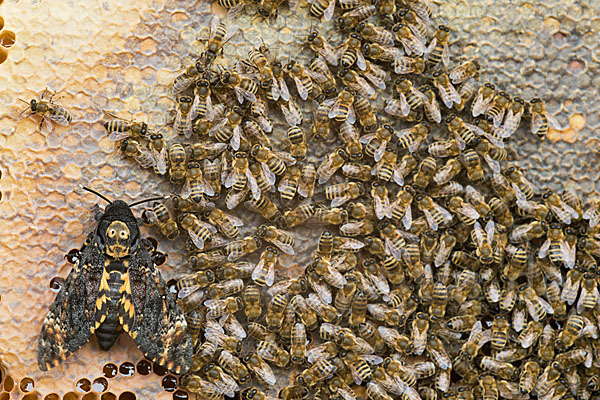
117,239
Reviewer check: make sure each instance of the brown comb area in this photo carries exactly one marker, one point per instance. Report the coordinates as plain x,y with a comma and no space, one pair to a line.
122,56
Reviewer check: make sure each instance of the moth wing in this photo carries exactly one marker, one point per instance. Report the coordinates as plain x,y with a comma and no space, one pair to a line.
159,328
68,325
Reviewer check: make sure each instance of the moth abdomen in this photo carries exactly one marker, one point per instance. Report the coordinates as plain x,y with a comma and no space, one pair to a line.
110,329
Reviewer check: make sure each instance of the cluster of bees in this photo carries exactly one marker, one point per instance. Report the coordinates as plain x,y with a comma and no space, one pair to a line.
440,270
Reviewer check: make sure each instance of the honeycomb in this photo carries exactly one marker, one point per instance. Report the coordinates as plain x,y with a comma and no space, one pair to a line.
111,56
7,39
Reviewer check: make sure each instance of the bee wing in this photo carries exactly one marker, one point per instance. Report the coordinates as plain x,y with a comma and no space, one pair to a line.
380,282
213,129
60,115
570,290
407,218
186,190
265,373
561,214
393,250
258,272
430,220
285,247
458,74
481,104
381,208
328,12
392,106
290,116
244,94
47,126
446,215
360,60
283,89
543,252
404,106
553,122
440,358
194,112
568,254
490,230
328,54
323,291
116,136
233,326
160,160
302,90
446,57
593,214
227,385
340,200
376,80
512,121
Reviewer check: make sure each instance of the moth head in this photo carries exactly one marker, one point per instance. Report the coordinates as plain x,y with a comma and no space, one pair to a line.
118,230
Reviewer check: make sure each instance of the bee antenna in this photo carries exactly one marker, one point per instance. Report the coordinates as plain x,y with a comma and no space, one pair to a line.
150,199
26,102
96,193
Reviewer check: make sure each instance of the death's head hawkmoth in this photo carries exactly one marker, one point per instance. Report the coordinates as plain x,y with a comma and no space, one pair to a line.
115,287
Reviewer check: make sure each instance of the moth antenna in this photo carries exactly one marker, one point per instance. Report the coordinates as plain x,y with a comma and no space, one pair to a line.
150,199
96,193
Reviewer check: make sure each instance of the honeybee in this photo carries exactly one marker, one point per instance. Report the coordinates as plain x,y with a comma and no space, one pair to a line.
408,98
498,107
319,45
139,153
298,145
513,115
202,260
264,272
448,93
435,214
592,214
332,216
489,388
411,138
394,243
283,240
260,368
275,311
202,105
120,129
330,165
556,247
233,364
288,185
297,216
376,34
242,247
484,240
430,103
411,43
160,216
373,273
206,389
301,77
387,54
49,112
319,371
229,129
561,210
465,71
376,392
537,307
239,176
183,119
271,352
350,19
530,334
243,86
296,392
446,173
381,200
342,109
541,119
571,286
408,65
425,173
219,35
466,91
325,311
291,111
499,332
438,48
341,193
483,99
186,78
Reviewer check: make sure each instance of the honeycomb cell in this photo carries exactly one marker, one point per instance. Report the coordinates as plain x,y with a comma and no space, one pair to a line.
110,370
26,384
9,383
90,396
32,396
52,396
144,367
181,395
71,396
108,396
127,369
7,39
83,385
169,383
127,396
100,385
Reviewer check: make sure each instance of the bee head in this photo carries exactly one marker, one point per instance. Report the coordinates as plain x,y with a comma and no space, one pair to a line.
33,105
